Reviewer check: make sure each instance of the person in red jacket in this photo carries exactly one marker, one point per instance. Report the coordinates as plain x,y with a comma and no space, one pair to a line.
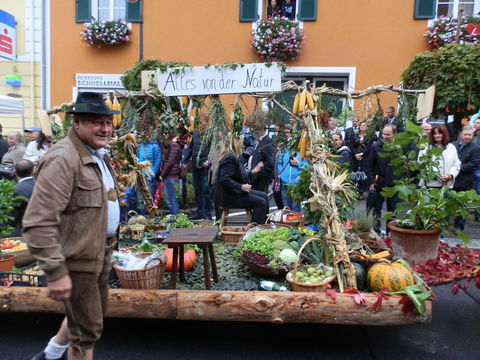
170,172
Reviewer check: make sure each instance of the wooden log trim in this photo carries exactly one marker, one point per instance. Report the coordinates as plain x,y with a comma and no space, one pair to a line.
246,306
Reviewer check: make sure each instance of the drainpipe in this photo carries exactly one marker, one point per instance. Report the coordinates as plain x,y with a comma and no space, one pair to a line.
44,55
140,56
32,62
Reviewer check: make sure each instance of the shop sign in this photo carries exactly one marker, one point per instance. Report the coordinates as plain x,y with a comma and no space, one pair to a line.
8,43
102,81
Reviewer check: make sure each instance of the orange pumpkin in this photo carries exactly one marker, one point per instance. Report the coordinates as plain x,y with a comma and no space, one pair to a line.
189,259
391,276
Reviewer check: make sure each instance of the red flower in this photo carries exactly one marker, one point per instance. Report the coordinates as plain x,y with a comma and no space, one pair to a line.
447,110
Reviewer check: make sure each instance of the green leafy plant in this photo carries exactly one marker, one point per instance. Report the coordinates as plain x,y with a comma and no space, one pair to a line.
455,73
420,207
7,203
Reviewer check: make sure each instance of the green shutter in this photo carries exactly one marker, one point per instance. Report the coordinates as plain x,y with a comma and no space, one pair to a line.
307,10
248,10
134,11
425,9
83,11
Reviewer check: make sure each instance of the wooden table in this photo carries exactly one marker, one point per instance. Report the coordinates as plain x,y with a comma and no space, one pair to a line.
203,238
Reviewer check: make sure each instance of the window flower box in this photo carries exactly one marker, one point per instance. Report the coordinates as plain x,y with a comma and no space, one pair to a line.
98,33
278,39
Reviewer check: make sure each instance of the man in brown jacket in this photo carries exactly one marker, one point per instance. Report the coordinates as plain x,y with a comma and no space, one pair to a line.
70,226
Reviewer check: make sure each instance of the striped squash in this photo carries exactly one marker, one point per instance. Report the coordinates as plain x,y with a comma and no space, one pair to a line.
391,276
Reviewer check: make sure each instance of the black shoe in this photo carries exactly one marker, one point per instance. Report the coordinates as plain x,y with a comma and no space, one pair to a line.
197,217
477,219
41,356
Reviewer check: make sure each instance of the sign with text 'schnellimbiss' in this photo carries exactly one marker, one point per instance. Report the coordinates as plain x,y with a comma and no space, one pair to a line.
201,80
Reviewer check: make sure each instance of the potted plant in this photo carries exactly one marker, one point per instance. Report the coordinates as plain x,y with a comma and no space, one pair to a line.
278,39
114,32
422,213
7,201
361,223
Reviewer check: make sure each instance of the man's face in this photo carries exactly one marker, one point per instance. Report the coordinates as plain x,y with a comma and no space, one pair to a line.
466,136
32,135
12,140
391,113
426,128
94,130
476,125
355,122
387,134
337,141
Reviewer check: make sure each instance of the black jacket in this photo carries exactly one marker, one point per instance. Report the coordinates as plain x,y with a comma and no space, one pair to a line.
193,150
25,189
469,155
263,152
231,176
359,146
344,158
378,165
350,135
3,147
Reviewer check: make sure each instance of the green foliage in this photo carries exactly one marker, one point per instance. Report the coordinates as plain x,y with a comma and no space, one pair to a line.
7,202
423,208
454,71
263,242
132,78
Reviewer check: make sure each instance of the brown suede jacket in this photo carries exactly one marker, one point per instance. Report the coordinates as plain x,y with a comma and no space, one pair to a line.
66,218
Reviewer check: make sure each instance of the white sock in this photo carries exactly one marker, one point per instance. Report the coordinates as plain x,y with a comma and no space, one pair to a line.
53,350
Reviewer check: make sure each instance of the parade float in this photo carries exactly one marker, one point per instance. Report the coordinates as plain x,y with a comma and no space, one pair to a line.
340,272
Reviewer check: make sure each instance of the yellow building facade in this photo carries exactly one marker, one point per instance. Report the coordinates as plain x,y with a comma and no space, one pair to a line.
28,65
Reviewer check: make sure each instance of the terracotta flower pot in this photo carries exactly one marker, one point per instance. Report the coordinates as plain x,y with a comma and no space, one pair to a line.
414,246
7,262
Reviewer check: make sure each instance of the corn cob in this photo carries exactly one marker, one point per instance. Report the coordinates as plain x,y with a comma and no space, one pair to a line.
310,102
295,104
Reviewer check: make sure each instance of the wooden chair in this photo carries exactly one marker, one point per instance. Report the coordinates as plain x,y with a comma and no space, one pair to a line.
226,211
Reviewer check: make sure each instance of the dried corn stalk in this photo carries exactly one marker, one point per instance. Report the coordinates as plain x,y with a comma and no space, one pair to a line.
125,148
325,184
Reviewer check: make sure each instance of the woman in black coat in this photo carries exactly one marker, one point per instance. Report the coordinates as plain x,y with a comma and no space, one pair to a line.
360,147
231,187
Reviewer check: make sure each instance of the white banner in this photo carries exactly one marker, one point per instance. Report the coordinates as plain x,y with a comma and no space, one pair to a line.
249,78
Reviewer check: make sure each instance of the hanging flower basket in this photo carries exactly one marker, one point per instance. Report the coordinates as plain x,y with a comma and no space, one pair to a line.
98,33
443,32
278,39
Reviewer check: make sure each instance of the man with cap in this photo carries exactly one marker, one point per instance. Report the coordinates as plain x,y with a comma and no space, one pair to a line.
32,133
70,226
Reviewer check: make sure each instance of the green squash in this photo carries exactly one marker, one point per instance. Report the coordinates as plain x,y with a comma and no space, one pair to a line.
360,275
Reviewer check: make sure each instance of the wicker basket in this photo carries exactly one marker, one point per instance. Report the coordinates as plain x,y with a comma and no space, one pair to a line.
233,234
147,278
23,257
292,275
282,212
137,231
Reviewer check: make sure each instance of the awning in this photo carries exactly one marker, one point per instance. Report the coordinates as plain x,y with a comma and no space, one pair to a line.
11,105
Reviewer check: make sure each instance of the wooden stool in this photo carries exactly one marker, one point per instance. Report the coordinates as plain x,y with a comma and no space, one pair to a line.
226,211
202,237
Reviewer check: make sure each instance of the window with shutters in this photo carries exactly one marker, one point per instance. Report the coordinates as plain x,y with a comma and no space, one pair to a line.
302,10
450,8
104,10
